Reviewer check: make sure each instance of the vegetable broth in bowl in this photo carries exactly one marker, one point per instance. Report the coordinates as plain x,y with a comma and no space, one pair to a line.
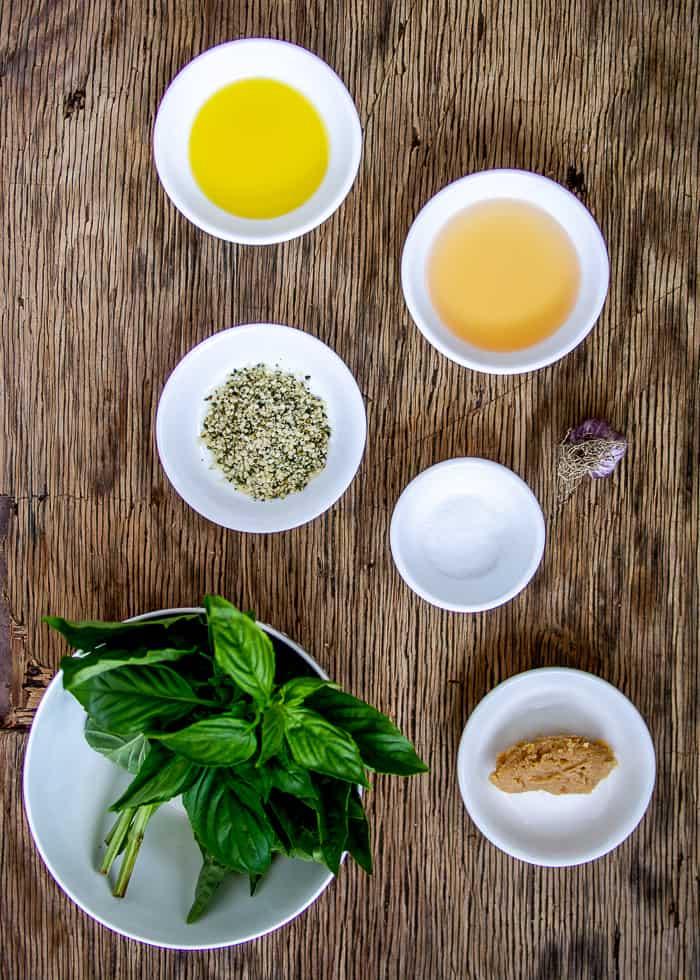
503,275
504,271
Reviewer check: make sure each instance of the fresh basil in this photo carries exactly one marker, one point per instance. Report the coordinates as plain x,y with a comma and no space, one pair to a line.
333,821
358,843
231,823
80,670
210,877
130,699
87,635
294,781
266,757
217,741
127,751
258,779
381,744
296,691
241,648
272,736
322,747
297,827
161,777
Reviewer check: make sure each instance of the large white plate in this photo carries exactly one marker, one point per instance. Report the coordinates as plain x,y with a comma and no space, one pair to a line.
188,463
556,831
68,789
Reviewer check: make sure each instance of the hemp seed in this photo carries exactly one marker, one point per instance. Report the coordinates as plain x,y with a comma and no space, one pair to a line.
267,431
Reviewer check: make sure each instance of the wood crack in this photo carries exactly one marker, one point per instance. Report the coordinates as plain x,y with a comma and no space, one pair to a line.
476,410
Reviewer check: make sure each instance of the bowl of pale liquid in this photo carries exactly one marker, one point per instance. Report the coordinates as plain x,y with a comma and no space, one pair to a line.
257,141
504,271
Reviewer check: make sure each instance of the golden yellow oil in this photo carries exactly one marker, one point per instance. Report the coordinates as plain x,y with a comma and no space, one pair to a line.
503,275
258,148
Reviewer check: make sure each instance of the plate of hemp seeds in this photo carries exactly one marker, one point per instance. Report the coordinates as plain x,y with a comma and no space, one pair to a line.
261,428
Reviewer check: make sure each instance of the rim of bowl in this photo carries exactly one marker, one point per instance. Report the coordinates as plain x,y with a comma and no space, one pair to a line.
535,512
265,238
56,680
521,854
485,366
214,338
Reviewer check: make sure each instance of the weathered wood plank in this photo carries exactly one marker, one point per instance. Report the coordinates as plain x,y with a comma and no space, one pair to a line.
105,287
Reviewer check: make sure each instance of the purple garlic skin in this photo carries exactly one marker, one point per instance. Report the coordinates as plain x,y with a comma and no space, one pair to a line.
596,429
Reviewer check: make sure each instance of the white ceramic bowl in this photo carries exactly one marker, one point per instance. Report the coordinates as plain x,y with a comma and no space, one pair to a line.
67,790
255,58
531,188
467,534
556,831
181,410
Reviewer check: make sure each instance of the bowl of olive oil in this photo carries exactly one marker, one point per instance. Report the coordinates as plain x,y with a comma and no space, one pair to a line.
257,141
504,271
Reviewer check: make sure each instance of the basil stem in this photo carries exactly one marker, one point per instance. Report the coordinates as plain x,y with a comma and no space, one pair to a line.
115,840
135,839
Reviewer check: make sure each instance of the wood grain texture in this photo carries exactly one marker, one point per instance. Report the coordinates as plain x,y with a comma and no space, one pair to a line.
105,287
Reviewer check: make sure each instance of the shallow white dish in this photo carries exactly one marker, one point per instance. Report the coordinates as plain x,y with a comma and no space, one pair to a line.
467,534
181,410
534,189
556,831
255,58
67,791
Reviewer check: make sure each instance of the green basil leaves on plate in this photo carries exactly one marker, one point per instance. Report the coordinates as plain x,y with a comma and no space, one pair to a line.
127,751
207,707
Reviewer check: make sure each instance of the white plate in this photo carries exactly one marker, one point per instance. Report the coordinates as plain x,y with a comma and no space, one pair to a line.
181,410
255,58
534,189
467,534
68,789
556,831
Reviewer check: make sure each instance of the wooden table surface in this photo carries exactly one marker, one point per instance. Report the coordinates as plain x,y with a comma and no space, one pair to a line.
104,288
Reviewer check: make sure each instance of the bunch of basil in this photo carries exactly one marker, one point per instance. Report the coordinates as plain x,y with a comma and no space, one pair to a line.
266,761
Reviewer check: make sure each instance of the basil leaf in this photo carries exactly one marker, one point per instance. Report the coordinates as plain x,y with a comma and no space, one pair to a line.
299,688
358,843
295,781
298,827
241,648
79,670
127,751
381,744
272,738
126,700
318,745
161,777
217,741
254,881
257,779
91,633
333,821
210,877
229,820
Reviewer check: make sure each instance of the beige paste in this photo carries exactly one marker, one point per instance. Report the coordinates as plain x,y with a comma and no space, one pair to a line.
557,764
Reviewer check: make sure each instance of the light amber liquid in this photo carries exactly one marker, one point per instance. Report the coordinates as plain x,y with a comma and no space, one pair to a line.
258,148
503,275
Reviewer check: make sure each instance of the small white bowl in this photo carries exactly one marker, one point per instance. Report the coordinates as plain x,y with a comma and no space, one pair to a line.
67,791
467,534
255,58
188,463
556,831
533,189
